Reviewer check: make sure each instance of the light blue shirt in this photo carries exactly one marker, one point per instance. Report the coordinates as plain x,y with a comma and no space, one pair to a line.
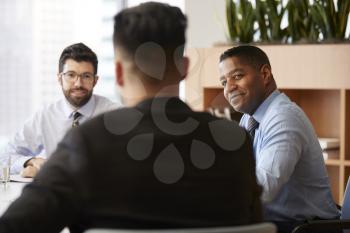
289,163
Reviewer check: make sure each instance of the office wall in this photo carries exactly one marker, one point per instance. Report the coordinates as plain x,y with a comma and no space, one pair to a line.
207,22
16,20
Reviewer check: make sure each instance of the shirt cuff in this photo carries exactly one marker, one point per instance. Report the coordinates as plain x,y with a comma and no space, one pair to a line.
18,164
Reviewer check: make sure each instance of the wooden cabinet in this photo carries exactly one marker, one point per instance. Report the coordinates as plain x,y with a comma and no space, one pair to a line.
316,77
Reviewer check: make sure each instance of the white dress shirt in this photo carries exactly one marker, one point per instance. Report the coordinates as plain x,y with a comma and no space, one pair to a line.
41,133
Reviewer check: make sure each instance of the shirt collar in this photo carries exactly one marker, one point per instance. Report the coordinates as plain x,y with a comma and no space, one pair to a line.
260,112
86,110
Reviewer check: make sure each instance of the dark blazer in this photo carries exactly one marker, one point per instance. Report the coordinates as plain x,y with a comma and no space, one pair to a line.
157,165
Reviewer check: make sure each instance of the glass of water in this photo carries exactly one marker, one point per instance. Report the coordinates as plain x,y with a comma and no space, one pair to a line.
5,170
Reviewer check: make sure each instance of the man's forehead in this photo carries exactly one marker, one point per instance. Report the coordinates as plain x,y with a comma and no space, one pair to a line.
232,61
229,64
71,64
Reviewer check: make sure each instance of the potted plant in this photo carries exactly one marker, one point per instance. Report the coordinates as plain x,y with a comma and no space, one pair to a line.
321,21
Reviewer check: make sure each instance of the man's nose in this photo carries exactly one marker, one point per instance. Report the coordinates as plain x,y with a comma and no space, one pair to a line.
78,81
231,85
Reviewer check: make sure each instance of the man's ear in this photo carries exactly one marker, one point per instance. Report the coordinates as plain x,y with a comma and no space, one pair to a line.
59,78
96,79
119,72
185,64
266,73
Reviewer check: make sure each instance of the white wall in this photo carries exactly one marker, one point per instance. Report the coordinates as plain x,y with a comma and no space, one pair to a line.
206,22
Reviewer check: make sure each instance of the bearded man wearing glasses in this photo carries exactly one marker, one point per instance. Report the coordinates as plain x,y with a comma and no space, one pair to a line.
38,138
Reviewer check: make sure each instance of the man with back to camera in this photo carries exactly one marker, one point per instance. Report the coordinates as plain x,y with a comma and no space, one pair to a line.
289,161
38,138
152,164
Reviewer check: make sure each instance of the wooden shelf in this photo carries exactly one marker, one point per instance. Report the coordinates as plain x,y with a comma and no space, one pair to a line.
334,174
333,162
316,77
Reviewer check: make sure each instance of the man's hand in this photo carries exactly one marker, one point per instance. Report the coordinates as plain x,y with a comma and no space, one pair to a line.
32,167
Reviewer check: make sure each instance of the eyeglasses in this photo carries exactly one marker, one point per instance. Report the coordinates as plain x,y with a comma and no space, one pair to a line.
71,76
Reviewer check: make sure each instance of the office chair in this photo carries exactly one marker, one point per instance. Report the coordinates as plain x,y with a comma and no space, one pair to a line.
254,228
329,226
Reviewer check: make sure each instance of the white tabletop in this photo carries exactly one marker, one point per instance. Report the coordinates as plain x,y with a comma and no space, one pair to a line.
9,193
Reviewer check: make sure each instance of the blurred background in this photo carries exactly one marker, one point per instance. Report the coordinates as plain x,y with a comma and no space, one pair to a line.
33,34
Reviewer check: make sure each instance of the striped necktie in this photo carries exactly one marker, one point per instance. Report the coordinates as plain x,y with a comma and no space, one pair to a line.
252,126
76,116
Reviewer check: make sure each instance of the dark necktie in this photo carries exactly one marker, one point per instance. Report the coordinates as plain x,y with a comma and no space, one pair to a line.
251,127
76,116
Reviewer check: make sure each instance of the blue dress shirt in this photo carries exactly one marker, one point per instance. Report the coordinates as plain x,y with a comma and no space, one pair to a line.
289,163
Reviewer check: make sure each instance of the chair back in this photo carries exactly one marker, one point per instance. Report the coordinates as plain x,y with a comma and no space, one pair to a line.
328,226
254,228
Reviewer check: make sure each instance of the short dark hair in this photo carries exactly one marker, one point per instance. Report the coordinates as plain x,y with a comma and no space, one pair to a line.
78,52
154,22
249,54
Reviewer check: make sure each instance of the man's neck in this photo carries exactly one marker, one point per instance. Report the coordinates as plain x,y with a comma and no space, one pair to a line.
151,92
74,107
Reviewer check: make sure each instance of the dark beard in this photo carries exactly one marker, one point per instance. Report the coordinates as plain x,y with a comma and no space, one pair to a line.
77,102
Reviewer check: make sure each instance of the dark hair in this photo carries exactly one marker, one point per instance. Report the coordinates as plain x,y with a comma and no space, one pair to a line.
249,54
159,23
78,52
